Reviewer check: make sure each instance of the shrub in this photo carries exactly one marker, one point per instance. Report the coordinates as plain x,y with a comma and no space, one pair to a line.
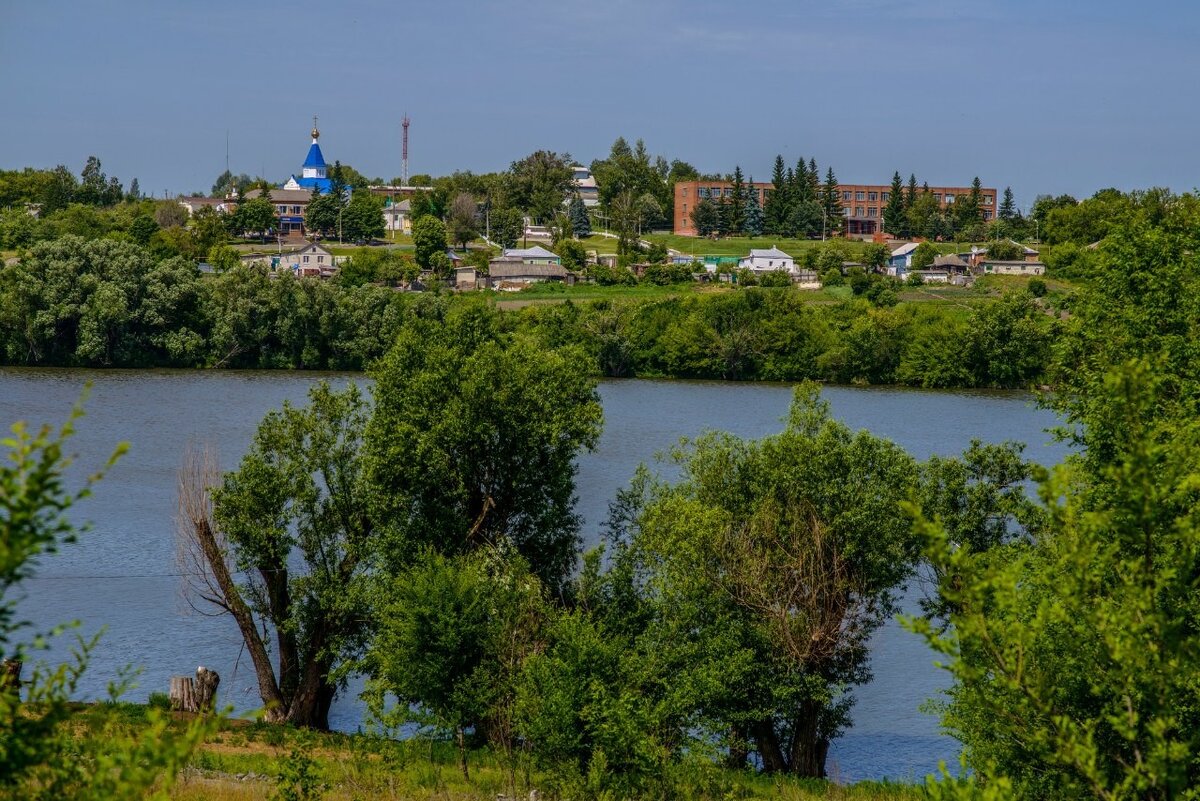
1037,288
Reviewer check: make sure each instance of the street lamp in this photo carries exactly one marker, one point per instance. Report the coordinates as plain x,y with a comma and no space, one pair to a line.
824,214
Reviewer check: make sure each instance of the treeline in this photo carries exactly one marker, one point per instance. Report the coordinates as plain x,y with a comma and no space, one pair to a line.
111,304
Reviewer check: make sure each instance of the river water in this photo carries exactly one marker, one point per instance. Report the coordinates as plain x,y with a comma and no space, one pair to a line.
119,575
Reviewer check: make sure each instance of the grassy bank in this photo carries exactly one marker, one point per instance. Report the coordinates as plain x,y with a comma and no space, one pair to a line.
247,760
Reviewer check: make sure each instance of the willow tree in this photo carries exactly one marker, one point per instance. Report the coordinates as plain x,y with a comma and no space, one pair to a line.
767,567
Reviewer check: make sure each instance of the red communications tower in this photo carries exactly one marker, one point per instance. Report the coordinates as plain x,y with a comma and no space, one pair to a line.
404,153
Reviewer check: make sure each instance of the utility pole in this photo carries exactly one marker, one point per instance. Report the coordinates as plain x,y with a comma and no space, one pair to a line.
404,152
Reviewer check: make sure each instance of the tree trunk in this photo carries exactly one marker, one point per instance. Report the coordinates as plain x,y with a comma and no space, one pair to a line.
738,753
206,689
183,694
809,749
309,707
462,753
10,675
767,743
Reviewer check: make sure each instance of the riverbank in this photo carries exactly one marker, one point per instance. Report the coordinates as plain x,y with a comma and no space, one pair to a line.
250,760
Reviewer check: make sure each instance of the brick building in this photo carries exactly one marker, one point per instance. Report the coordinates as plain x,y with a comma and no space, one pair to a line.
862,204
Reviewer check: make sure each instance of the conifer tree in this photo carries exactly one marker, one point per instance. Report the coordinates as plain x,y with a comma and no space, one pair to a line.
1008,207
778,200
968,211
737,203
895,218
581,226
832,202
911,195
752,211
802,188
814,180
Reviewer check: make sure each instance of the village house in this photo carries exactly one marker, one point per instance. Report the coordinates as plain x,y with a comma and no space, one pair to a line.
396,217
311,261
510,274
1013,267
900,262
194,204
767,260
534,255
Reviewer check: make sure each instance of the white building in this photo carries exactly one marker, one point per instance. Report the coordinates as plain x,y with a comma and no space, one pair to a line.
534,255
396,217
585,185
766,261
312,261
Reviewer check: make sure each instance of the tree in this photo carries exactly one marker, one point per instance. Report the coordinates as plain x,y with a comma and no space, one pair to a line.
1008,207
256,216
506,227
452,636
93,186
540,182
895,217
1074,655
321,215
760,576
581,226
736,205
135,192
923,256
1005,250
473,441
779,201
705,217
362,219
832,201
429,237
753,212
463,219
44,754
282,543
60,190
208,228
968,209
142,228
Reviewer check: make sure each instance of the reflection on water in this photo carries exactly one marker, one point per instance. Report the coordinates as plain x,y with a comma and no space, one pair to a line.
120,573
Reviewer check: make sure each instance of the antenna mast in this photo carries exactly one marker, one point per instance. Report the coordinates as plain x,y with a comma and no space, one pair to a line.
404,153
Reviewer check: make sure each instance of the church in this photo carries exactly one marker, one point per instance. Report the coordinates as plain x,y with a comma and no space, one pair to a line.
313,175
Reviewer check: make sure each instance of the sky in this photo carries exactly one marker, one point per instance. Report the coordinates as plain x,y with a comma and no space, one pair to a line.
1045,96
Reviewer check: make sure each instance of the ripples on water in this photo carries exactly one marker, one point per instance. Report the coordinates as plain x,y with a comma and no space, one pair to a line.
118,575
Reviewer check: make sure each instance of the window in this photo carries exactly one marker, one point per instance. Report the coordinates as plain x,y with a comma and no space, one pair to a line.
283,209
320,259
949,198
685,191
306,259
872,196
937,196
295,209
858,211
845,196
728,191
684,209
873,212
846,211
988,200
886,196
859,196
987,214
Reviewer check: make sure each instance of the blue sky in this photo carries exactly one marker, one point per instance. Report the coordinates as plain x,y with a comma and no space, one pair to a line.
1043,96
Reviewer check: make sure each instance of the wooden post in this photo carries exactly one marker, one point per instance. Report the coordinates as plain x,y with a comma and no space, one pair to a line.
183,695
195,695
206,689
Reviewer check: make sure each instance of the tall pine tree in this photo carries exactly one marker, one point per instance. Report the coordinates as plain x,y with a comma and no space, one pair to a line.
581,226
911,196
1008,207
778,201
832,202
737,202
752,211
895,217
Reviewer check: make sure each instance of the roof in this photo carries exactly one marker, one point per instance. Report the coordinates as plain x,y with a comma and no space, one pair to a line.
768,253
322,185
314,159
904,250
1014,262
283,195
403,206
504,268
949,261
535,252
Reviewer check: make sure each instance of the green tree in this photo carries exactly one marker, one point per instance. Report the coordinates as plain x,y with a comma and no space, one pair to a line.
463,219
1008,206
581,225
44,754
256,216
321,215
923,256
761,575
362,219
474,438
735,222
282,544
968,209
540,182
705,217
506,227
895,218
142,228
779,201
208,228
429,237
753,222
832,201
452,635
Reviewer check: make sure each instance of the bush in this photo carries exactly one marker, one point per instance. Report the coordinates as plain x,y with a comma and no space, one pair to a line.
776,278
833,277
1037,288
159,701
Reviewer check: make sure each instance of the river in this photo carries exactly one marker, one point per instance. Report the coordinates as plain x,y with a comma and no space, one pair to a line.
119,574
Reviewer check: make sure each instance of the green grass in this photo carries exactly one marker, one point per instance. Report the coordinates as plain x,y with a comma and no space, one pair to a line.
362,766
